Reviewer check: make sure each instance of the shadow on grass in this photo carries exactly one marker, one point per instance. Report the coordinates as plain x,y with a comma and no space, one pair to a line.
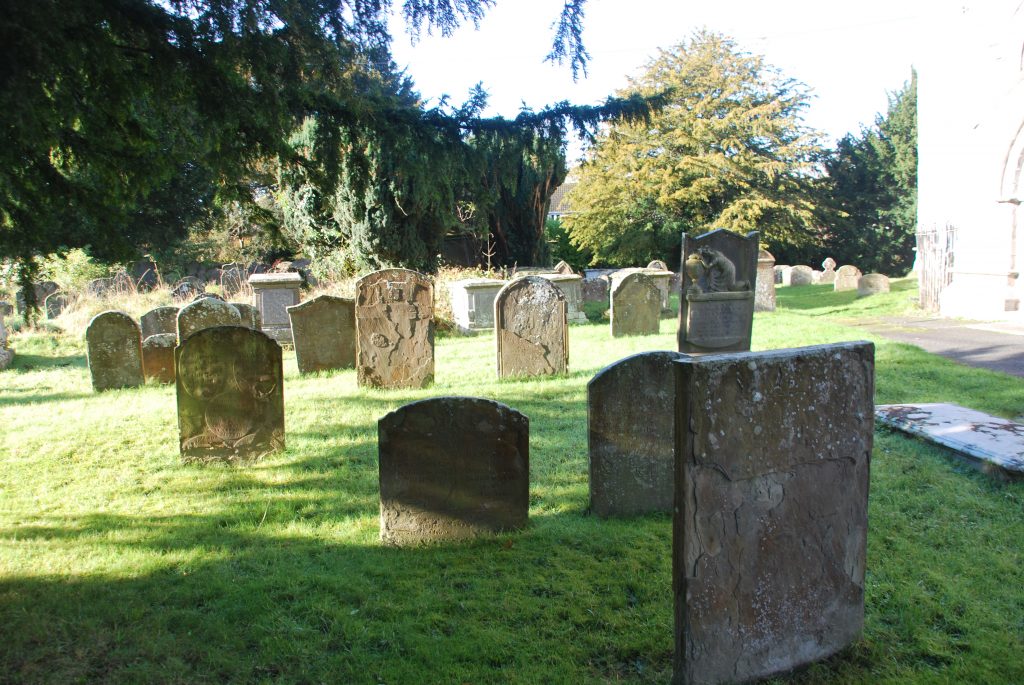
34,362
27,396
811,297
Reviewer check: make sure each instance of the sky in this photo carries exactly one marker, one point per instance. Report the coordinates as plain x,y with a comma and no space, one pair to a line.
850,54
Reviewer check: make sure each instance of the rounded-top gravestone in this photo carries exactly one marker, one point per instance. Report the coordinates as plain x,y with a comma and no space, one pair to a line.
657,265
636,306
531,328
114,349
206,312
872,284
846,278
158,357
801,274
158,321
324,333
55,304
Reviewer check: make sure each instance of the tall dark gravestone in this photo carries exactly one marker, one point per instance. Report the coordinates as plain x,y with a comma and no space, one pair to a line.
230,395
531,328
716,305
631,438
773,451
114,348
394,329
452,468
324,333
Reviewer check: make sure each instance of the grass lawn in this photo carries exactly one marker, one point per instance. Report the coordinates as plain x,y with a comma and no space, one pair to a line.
119,564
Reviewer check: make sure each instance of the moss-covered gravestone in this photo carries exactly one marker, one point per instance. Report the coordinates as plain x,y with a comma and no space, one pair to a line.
114,348
324,333
395,329
206,312
159,321
531,328
636,306
230,395
158,357
452,468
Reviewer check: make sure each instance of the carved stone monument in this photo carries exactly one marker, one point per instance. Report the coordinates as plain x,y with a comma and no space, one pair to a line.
114,348
801,274
872,284
452,468
564,269
770,524
531,326
716,308
846,278
636,306
230,395
159,321
42,291
657,265
55,304
158,357
473,303
570,285
324,333
272,294
205,312
595,290
764,289
828,271
630,409
395,329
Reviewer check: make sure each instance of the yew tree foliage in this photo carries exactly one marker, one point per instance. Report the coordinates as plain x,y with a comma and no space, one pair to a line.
728,150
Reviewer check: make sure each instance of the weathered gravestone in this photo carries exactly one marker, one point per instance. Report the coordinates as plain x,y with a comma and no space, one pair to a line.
452,468
770,523
324,332
205,312
6,353
159,321
872,284
273,294
230,395
99,287
531,328
208,296
764,289
595,290
187,288
783,274
114,348
636,306
630,410
846,278
662,280
716,309
42,291
657,265
828,271
250,315
801,274
473,303
394,329
570,285
55,304
563,268
158,357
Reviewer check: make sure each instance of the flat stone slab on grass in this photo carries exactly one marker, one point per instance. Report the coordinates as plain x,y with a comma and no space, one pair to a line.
988,443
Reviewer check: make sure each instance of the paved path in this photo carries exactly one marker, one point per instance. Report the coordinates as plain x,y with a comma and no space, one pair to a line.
995,346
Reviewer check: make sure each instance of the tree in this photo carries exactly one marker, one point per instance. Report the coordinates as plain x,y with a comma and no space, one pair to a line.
869,199
728,151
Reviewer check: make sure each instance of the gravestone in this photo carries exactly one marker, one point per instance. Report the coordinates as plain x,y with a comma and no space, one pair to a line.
99,287
872,284
324,333
770,522
801,274
531,326
564,269
42,291
630,409
783,274
158,357
452,468
159,321
473,303
208,296
716,309
572,290
636,306
114,349
232,279
55,304
6,353
230,395
250,315
145,275
764,290
187,288
595,290
846,278
394,329
272,294
828,271
662,280
206,312
657,265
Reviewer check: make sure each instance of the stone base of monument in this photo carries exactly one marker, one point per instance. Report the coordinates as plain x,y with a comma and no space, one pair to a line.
717,322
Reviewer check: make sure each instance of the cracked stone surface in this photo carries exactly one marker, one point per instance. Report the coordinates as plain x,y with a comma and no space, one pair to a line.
631,435
394,329
770,524
988,443
532,328
452,468
159,321
636,306
114,348
205,312
324,333
230,395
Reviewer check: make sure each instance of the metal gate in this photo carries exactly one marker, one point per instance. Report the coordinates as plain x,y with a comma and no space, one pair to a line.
935,264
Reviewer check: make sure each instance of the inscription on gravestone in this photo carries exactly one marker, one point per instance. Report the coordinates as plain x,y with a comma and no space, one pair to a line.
770,525
394,329
114,348
532,328
452,468
630,410
324,332
230,395
636,306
